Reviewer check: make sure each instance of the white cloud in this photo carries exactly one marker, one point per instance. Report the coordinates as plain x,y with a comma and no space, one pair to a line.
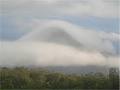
98,8
46,54
42,8
89,39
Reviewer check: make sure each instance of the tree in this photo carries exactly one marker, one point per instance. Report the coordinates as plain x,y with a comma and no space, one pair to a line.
114,78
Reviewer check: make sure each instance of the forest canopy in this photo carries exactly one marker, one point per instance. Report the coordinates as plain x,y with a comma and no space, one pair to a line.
26,78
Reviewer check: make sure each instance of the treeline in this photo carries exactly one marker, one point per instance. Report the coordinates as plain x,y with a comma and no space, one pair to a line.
24,78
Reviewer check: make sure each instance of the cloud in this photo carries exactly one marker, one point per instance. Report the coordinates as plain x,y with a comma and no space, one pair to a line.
47,8
97,8
33,50
63,32
43,47
48,54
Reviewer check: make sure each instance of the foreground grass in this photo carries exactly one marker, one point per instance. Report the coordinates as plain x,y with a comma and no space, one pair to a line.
25,78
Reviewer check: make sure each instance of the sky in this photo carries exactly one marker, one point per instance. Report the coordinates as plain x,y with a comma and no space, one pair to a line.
59,32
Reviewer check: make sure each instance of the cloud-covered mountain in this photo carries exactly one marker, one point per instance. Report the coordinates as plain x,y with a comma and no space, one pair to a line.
46,54
52,35
62,32
55,43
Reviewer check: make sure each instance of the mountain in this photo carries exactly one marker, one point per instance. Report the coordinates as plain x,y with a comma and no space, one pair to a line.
78,69
65,33
52,35
58,44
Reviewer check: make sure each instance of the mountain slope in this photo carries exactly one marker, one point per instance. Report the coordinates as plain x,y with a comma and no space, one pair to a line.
52,35
61,32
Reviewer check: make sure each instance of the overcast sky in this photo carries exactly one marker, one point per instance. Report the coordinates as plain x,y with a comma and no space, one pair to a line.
82,32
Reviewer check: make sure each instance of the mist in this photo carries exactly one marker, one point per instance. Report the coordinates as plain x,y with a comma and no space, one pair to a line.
48,54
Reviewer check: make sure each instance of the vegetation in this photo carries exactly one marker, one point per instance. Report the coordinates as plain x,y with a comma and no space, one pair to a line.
24,78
